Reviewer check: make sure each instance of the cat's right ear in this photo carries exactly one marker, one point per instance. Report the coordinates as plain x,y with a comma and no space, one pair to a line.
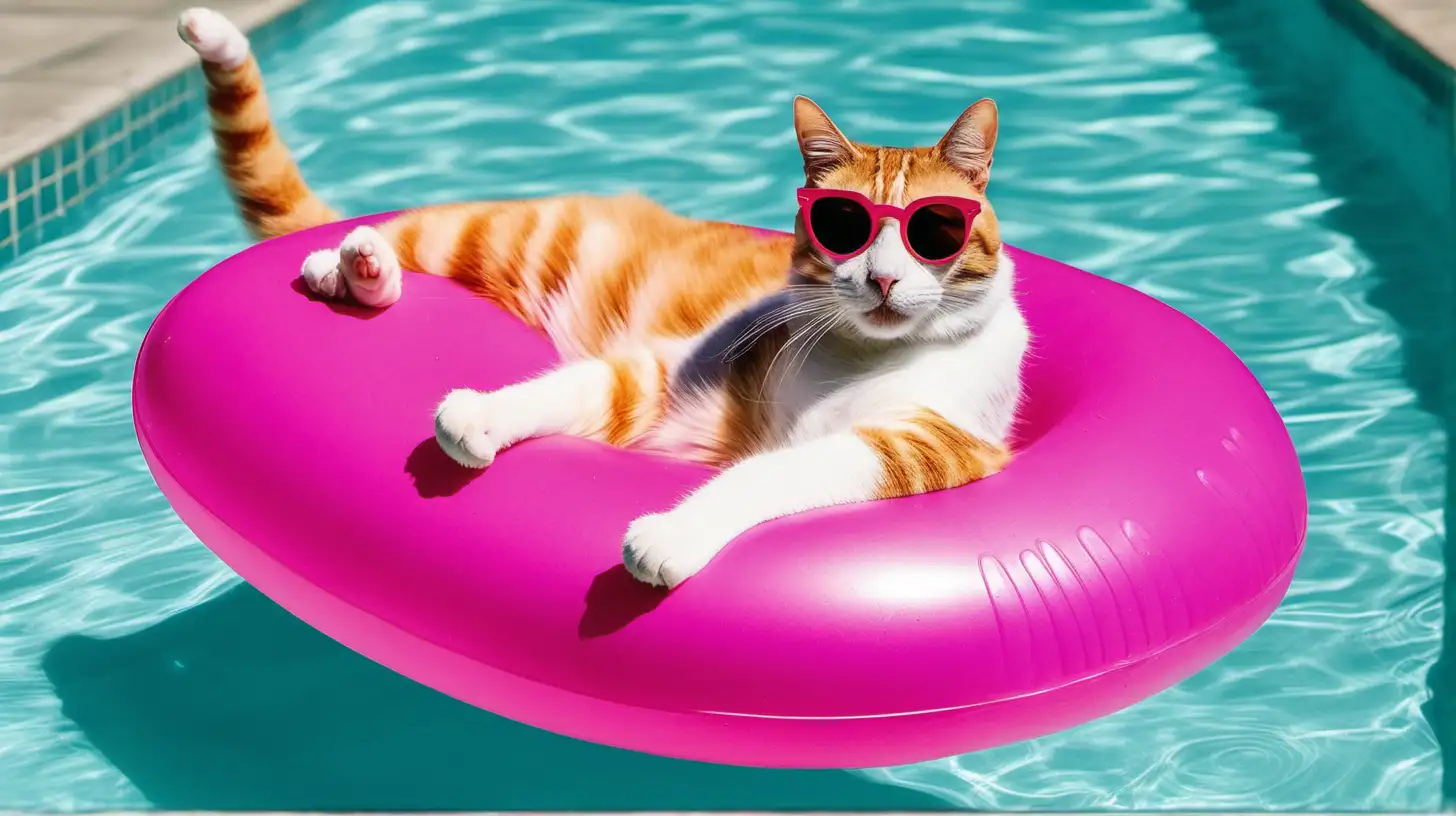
823,145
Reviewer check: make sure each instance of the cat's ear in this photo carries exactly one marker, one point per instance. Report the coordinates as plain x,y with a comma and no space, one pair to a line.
970,142
823,145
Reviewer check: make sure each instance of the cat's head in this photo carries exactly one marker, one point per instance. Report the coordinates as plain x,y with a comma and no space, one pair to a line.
887,288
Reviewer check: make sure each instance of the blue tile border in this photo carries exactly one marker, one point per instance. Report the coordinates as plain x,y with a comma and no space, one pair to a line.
41,188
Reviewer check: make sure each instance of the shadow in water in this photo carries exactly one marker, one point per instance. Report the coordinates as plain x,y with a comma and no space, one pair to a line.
236,704
1406,233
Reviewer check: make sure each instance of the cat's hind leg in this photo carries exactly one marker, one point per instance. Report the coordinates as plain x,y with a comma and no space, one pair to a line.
364,267
214,37
370,267
321,272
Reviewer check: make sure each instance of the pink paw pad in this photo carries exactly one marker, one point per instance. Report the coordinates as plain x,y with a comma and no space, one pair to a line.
369,265
366,262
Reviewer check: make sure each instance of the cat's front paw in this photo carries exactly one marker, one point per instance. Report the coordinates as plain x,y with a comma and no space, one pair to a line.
463,428
665,549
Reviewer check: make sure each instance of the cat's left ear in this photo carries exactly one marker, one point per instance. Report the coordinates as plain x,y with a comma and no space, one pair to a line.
824,146
970,142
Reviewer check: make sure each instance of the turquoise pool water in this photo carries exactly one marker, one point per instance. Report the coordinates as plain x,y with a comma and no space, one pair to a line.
135,671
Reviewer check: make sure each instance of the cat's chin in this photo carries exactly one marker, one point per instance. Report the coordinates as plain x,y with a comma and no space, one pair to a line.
883,323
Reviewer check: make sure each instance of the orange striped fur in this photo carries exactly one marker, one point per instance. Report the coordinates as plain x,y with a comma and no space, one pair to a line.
659,275
638,397
264,179
927,452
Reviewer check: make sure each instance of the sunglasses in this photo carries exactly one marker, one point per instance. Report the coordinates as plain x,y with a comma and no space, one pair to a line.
842,223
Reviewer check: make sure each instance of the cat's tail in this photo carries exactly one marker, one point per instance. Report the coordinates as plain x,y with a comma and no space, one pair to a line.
261,173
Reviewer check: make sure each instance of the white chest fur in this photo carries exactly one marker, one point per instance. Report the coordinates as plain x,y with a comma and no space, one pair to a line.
973,381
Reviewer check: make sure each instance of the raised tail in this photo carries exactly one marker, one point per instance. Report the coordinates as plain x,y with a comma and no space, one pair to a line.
264,179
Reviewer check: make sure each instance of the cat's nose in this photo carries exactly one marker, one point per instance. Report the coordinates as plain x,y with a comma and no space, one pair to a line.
884,282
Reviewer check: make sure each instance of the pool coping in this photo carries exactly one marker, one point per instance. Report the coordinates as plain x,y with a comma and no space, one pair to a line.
1417,38
91,102
1431,24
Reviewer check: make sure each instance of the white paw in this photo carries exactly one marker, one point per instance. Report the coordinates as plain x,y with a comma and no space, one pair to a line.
665,549
370,268
213,37
321,272
463,427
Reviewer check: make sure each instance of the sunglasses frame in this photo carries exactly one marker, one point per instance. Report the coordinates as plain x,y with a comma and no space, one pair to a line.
969,207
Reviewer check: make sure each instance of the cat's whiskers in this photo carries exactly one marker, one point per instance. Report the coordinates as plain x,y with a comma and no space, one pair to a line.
951,301
774,319
825,321
779,311
746,343
796,362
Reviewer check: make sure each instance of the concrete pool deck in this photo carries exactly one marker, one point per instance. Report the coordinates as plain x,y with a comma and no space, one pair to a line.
1430,23
86,86
63,63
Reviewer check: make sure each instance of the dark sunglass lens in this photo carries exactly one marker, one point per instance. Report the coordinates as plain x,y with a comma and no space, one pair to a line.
937,232
840,224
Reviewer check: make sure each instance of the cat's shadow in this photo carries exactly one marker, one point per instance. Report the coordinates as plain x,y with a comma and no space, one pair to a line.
346,308
436,475
614,598
235,704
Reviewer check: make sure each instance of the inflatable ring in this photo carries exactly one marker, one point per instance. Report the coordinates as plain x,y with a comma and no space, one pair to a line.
1151,521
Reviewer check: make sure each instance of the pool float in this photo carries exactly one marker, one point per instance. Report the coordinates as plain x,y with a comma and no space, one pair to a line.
1152,521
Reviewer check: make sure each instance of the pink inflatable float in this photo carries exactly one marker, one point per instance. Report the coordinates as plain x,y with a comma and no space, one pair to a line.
1152,520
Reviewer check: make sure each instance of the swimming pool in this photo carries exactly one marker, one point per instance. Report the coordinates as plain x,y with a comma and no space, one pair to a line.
135,672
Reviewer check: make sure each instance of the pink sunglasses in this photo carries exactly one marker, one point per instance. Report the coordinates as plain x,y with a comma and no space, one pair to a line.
842,223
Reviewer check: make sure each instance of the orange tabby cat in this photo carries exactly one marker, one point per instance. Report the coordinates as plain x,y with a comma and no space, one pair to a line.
812,378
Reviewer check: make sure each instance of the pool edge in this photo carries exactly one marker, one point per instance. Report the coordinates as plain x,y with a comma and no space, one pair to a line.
73,151
1430,26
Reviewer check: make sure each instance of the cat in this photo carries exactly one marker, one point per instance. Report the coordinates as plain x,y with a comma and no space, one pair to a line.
849,362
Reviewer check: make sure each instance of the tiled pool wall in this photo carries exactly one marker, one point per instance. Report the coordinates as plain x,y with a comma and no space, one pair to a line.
39,190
